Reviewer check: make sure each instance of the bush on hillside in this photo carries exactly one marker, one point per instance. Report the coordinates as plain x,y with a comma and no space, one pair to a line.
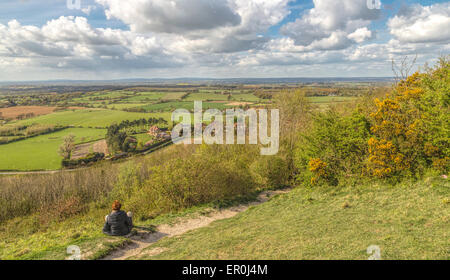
410,131
212,173
335,146
406,134
271,172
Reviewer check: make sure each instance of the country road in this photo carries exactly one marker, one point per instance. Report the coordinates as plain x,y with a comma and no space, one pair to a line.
38,172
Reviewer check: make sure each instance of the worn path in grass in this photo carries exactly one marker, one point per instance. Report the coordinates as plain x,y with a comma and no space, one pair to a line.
144,239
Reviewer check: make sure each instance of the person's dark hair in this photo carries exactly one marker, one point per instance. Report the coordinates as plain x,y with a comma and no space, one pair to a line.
116,205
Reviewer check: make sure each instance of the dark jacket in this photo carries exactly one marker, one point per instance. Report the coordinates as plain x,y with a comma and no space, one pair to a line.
118,224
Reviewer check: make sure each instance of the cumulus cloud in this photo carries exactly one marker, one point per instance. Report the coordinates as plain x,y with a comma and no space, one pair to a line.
211,26
332,24
171,16
421,24
87,10
226,38
72,42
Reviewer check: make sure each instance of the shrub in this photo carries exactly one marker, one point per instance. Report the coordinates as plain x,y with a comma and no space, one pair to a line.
335,146
212,173
90,158
411,126
271,172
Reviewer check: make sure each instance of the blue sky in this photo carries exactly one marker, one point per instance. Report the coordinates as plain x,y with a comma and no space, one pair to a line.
108,39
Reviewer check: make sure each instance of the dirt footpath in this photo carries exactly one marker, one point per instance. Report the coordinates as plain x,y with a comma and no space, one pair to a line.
143,239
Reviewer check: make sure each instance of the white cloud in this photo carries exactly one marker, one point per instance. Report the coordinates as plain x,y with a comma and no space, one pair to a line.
72,43
87,10
176,16
332,24
333,38
421,24
360,35
209,26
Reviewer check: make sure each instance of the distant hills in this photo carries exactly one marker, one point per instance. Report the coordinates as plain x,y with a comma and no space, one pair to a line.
197,81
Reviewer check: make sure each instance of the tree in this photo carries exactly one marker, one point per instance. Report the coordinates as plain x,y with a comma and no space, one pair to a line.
66,148
295,117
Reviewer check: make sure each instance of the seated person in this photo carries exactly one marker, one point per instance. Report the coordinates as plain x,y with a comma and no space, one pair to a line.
118,223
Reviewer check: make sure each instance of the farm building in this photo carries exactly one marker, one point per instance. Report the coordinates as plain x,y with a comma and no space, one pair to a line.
154,131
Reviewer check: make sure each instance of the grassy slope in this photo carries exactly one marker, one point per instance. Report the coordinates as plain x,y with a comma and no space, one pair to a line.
23,238
43,148
407,222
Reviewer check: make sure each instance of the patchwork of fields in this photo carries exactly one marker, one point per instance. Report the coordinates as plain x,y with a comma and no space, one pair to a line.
89,114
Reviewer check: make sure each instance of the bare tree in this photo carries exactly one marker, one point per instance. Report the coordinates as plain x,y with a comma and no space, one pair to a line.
403,68
66,148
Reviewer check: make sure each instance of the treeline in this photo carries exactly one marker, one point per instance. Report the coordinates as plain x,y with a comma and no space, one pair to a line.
9,134
118,136
87,160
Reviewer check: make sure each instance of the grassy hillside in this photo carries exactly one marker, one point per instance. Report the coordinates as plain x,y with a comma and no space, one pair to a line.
411,221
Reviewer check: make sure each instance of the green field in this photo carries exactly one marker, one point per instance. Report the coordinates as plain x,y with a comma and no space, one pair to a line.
41,152
172,106
145,97
90,118
122,106
330,99
206,96
32,151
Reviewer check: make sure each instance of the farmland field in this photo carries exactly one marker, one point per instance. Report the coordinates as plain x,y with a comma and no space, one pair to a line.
90,113
172,106
41,152
90,118
14,112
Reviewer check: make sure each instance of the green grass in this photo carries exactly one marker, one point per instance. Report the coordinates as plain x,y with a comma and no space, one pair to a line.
41,152
143,137
90,117
206,96
330,99
23,238
145,96
121,106
246,97
172,106
406,222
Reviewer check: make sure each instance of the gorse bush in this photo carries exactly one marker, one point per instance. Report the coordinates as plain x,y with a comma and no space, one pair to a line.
402,135
411,126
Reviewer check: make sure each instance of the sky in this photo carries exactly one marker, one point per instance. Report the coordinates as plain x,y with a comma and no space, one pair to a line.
118,39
